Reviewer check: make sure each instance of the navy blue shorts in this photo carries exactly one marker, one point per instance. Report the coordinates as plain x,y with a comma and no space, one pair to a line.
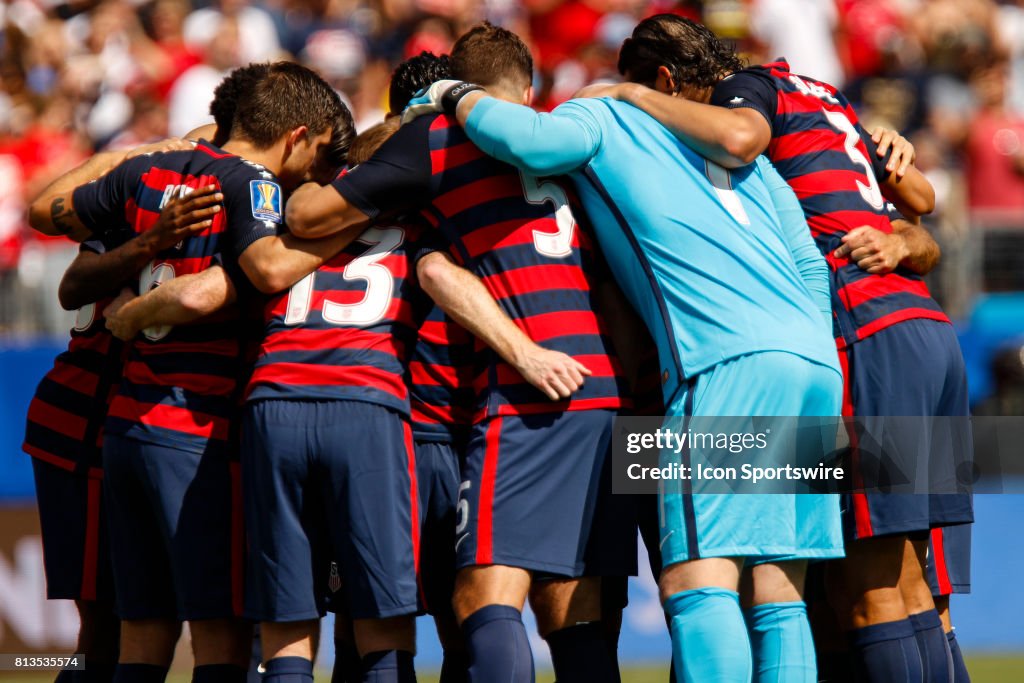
176,535
76,550
329,480
913,368
531,486
949,560
437,471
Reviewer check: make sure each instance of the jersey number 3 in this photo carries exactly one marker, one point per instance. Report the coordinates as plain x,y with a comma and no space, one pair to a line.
380,284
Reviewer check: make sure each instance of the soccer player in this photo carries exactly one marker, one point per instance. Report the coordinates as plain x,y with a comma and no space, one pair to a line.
722,270
64,435
534,462
166,451
899,352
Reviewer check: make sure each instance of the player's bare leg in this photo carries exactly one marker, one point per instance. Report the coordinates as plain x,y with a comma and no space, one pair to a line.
917,596
289,648
709,637
569,618
221,641
936,656
780,633
99,634
871,607
149,641
387,647
488,603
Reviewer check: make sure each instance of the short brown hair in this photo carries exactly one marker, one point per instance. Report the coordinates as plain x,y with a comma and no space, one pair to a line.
286,97
486,54
370,140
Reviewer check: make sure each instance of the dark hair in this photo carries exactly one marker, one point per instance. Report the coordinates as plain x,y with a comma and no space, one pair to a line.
370,140
236,86
415,74
342,135
690,51
288,96
485,54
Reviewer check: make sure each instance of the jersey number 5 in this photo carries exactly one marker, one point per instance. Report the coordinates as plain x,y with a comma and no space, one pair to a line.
871,193
558,244
380,284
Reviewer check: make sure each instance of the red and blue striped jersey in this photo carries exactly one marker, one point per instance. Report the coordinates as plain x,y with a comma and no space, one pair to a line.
818,146
519,234
441,379
347,330
181,385
66,415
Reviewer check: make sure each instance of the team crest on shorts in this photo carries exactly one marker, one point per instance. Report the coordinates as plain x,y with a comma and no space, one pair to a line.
266,200
334,582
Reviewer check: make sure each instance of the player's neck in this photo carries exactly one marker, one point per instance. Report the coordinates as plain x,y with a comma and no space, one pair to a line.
270,157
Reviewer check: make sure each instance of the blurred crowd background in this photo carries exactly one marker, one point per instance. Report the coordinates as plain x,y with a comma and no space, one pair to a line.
88,75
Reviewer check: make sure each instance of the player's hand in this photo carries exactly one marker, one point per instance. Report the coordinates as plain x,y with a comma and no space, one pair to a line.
556,374
120,325
875,251
168,145
183,217
903,152
441,96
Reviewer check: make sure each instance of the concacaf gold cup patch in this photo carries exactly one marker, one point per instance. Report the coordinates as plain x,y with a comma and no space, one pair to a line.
266,200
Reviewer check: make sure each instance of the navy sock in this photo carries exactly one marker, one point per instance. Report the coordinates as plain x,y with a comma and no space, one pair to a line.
580,654
936,659
388,666
348,665
960,674
140,673
98,672
219,673
499,651
455,667
887,652
288,670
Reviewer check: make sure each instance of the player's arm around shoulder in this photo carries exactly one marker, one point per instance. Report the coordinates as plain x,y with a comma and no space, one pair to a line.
541,144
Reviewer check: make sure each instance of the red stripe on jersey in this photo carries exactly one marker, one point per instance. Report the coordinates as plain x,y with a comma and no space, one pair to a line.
541,328
306,339
485,504
939,559
869,288
538,278
600,366
170,417
479,192
50,458
75,378
450,157
807,141
899,316
299,374
433,375
822,182
138,372
57,419
91,554
545,407
508,234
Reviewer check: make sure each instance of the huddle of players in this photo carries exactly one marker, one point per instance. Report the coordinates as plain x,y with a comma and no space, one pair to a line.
361,468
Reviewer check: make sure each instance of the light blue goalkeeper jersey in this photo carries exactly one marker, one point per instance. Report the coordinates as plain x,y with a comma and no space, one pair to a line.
718,263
